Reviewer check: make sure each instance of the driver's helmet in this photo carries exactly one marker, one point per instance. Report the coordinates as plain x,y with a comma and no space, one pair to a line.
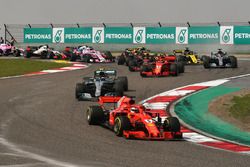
134,110
220,51
102,74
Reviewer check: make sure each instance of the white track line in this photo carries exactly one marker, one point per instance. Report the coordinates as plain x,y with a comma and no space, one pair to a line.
41,158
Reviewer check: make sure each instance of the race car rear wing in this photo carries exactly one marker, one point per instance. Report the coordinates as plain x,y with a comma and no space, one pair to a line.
109,99
107,72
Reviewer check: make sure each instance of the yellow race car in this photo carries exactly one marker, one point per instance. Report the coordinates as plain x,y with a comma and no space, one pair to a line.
187,56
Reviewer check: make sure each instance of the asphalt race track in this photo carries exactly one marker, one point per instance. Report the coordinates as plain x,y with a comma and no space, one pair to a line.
43,125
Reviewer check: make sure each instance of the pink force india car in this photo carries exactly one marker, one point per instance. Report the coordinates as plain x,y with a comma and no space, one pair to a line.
7,49
88,54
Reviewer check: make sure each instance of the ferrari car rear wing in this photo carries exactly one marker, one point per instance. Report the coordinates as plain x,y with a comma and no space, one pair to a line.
109,99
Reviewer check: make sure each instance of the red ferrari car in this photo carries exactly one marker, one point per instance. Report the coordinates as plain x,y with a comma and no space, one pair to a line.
163,66
132,120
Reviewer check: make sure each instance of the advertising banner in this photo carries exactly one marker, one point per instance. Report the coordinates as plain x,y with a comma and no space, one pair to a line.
241,35
181,35
139,35
204,35
121,35
226,35
160,35
78,35
37,35
98,35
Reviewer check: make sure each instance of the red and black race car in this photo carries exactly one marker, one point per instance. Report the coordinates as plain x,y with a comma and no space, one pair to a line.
163,66
133,120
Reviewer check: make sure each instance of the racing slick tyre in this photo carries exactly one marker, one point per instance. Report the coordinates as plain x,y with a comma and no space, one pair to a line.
121,60
73,57
51,55
202,57
206,62
124,81
17,53
129,58
27,54
87,58
233,61
131,65
121,123
174,70
145,68
118,86
44,55
79,89
95,115
172,124
181,58
109,55
181,67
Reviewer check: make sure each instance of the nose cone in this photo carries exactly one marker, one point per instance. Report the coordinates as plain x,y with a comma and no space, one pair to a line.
155,134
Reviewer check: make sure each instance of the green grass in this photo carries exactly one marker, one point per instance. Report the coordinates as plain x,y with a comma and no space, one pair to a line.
241,108
12,67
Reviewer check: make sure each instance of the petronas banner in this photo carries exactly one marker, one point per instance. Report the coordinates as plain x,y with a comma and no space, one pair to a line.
123,35
225,35
241,35
37,35
160,35
78,35
204,35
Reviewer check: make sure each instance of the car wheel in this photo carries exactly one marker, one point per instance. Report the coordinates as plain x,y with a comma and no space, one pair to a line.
172,124
174,69
124,80
95,115
181,67
79,89
118,86
233,61
44,55
206,62
121,123
131,65
121,60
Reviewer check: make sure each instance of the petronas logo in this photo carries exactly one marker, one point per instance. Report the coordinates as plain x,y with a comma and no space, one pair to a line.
181,36
226,35
57,36
138,36
97,36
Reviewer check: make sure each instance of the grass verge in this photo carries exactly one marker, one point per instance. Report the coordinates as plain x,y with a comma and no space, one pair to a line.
241,107
13,67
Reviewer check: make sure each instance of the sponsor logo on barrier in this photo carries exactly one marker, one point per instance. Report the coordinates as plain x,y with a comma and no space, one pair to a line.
58,35
123,35
226,35
241,35
160,36
98,35
78,35
37,35
139,35
118,36
181,35
203,34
